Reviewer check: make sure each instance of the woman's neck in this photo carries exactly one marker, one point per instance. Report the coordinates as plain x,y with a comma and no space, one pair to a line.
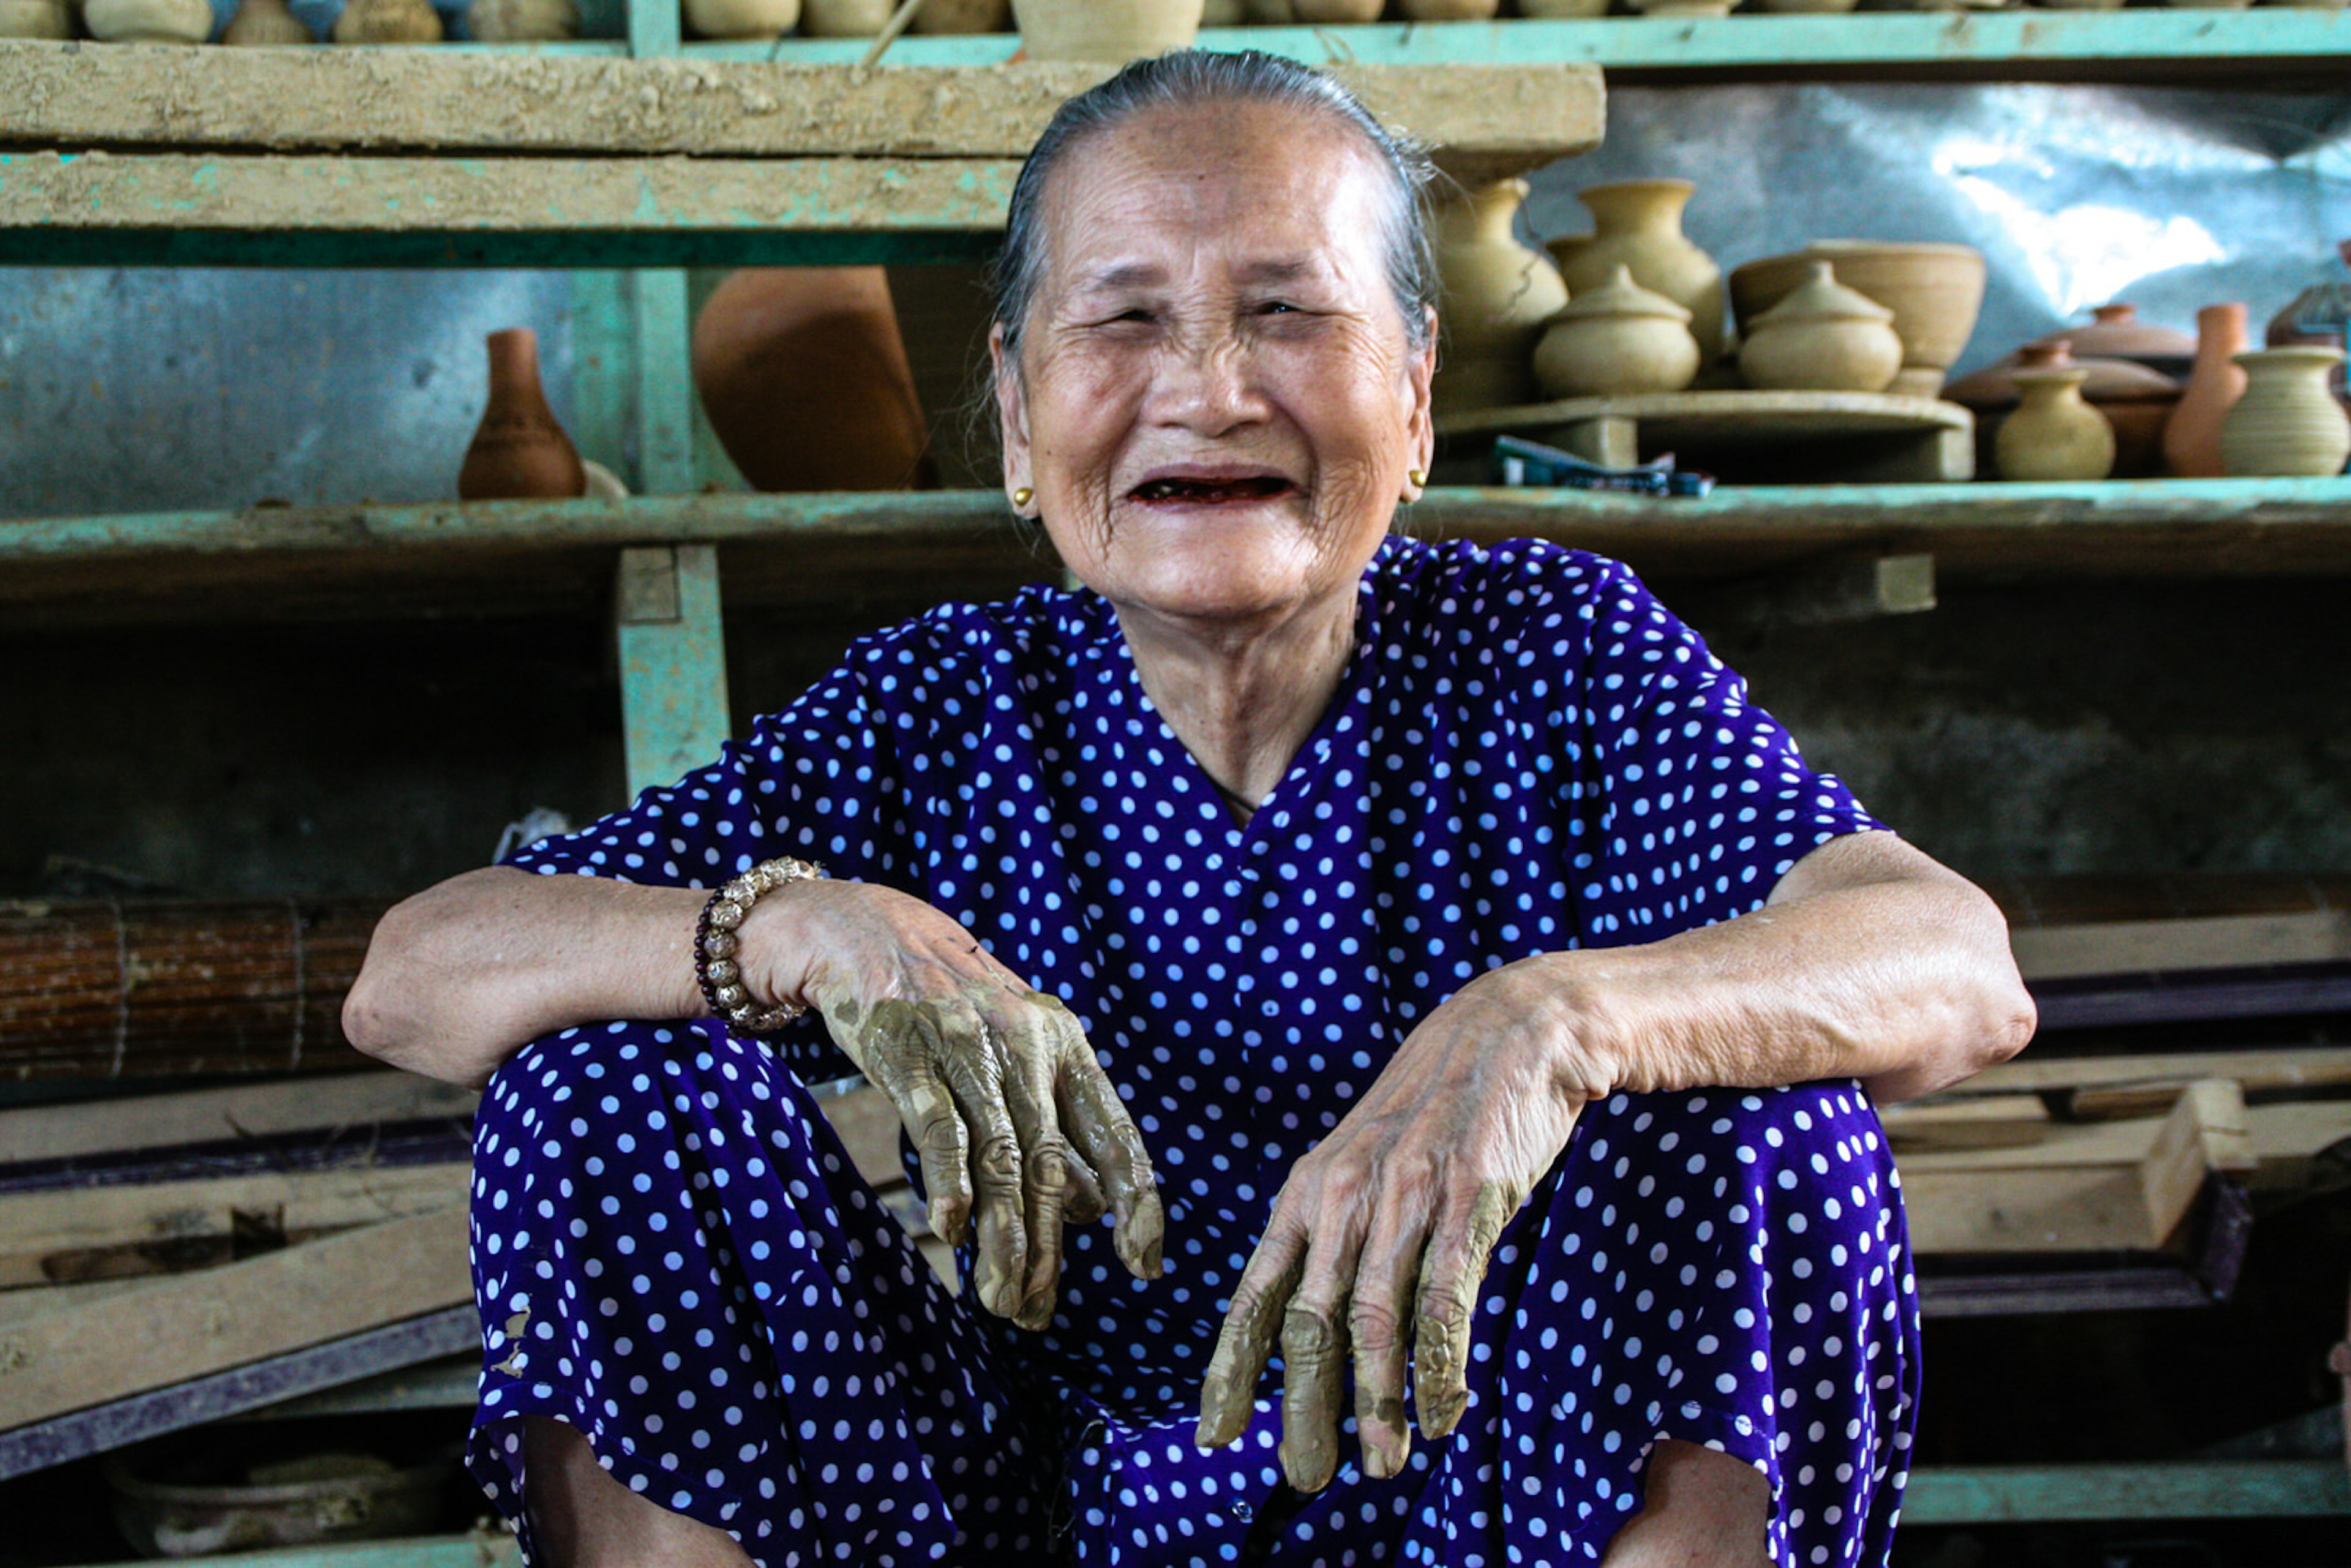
1243,700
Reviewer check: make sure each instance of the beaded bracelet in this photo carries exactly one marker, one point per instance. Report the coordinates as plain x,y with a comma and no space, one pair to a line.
715,944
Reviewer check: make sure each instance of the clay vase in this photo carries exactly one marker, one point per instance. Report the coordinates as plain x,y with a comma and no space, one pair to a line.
1115,31
1637,224
1822,337
1498,294
1563,10
964,17
2287,423
388,22
2138,401
148,21
742,18
1684,7
35,19
1618,340
1327,11
2115,332
2054,435
844,19
265,23
518,450
522,21
805,379
1450,10
2191,436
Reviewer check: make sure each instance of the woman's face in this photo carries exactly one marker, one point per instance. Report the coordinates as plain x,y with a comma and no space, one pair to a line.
1216,404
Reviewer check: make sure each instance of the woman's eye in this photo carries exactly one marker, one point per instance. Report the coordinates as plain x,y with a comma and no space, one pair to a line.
1277,308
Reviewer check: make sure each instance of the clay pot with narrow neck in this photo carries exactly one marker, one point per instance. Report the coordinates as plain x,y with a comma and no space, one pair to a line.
2054,435
518,450
1618,340
2191,436
1114,31
2287,423
2137,401
1498,294
805,379
1637,224
388,22
265,23
1822,337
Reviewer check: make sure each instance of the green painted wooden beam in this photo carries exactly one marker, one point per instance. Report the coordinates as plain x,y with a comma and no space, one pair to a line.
1980,43
485,1550
672,640
2263,1488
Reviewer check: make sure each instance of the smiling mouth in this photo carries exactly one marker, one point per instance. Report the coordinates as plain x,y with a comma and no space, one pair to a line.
1204,492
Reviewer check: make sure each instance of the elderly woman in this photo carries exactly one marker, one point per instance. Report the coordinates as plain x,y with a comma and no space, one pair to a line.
1448,981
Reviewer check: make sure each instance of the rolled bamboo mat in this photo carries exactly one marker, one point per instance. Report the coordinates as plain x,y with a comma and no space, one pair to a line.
108,988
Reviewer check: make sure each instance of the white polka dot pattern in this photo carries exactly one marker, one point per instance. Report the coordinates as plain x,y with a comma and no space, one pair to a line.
1527,753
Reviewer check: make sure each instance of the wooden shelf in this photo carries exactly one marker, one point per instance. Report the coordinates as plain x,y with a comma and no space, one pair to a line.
841,554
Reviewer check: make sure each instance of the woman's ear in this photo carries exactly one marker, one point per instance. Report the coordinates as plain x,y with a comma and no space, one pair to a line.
1421,372
1012,423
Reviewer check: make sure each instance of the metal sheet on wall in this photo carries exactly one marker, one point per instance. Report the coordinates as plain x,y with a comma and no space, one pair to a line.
2077,195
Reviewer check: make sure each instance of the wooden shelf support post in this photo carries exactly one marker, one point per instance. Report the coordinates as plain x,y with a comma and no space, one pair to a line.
672,647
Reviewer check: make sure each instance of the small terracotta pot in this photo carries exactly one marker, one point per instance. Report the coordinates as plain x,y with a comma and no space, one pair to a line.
1109,30
518,450
742,18
1618,340
2191,437
804,377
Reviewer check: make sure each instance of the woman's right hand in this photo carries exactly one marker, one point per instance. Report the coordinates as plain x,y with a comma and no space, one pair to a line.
1015,1121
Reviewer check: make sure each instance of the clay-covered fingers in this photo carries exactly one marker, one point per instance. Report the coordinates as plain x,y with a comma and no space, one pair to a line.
1386,1280
977,1075
1097,1124
907,1074
1029,1067
1313,1366
1251,1329
1451,1270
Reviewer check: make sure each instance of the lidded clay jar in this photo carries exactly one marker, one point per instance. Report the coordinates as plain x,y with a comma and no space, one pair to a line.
1617,341
2054,435
1822,337
1637,224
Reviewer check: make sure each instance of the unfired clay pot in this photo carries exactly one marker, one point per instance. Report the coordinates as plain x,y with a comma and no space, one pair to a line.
518,450
1802,6
1563,10
742,18
964,17
2191,436
2054,435
35,19
1327,11
2115,332
1617,339
1498,295
1822,337
522,21
263,24
388,22
1934,290
804,376
1111,30
1450,10
148,21
2137,401
2287,423
844,19
1637,224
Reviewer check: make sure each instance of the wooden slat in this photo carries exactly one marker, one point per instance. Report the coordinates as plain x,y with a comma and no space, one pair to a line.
88,1127
284,100
2144,946
194,1323
1989,1122
2302,1067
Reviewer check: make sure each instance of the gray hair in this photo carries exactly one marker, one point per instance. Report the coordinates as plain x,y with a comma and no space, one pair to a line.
1190,77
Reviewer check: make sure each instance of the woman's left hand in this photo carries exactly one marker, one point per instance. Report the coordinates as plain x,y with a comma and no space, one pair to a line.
1378,1241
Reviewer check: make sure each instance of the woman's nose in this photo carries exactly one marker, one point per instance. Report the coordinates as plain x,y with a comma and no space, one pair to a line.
1207,384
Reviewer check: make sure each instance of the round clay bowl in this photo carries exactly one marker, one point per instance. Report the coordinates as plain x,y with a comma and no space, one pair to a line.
1934,292
1115,31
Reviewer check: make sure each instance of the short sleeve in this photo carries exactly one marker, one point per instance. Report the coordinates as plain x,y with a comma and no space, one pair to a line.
815,782
1691,801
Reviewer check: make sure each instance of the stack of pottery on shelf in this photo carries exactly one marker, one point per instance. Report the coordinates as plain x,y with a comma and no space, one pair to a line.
1498,295
2127,365
1637,226
1822,337
1618,340
805,379
519,451
1934,290
1109,30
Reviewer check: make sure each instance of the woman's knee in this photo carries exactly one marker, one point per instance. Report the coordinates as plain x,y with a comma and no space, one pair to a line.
1700,1508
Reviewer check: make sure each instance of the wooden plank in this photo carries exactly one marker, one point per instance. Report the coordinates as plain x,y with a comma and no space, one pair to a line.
1519,113
89,1127
1987,1122
36,1224
196,1323
2146,947
2311,1067
2265,1489
673,663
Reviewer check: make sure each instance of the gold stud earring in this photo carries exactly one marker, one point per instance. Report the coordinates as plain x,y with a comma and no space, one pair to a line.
1022,497
1419,477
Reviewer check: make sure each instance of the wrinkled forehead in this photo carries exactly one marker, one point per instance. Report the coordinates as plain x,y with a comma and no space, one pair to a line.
1216,189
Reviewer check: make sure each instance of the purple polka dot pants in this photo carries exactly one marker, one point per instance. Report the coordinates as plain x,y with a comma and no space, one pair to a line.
674,1255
